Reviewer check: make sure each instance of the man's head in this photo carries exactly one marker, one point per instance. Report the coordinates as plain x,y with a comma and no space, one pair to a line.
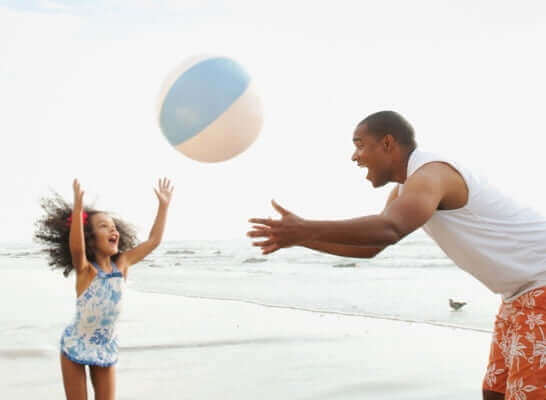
383,142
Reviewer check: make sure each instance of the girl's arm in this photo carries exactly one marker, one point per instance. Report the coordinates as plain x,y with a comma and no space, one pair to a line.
76,237
163,193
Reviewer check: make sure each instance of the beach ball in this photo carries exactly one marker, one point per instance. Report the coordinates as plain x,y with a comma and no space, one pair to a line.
209,110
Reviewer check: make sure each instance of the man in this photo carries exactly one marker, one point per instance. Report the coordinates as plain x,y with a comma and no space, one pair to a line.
484,232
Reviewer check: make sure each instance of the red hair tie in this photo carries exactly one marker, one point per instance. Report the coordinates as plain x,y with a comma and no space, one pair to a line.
84,217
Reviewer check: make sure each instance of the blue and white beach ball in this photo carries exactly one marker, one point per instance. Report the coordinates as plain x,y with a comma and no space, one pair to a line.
208,109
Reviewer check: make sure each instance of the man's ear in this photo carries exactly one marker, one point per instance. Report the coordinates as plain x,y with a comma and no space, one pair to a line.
388,142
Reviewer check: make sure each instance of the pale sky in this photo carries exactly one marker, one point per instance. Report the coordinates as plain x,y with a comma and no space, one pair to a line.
79,83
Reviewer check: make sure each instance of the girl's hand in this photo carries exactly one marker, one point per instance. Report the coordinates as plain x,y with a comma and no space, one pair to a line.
78,195
164,191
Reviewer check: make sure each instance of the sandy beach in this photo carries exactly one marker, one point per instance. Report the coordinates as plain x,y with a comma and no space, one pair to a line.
175,347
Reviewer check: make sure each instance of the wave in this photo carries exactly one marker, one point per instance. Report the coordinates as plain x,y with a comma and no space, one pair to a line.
332,312
223,343
12,354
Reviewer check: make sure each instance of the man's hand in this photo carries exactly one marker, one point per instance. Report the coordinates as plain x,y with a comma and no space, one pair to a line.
288,231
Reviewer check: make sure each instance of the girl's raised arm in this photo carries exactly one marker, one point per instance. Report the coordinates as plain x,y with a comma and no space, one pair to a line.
164,194
76,238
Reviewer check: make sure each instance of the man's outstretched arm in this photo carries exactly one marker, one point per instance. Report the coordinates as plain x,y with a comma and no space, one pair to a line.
422,194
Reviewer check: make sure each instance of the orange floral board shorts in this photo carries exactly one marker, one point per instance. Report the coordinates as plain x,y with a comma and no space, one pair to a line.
517,362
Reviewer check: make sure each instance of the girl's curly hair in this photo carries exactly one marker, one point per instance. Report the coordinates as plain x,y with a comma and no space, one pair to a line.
53,230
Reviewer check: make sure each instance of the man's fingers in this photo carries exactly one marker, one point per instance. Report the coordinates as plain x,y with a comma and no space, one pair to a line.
265,243
279,209
265,221
270,249
259,233
262,227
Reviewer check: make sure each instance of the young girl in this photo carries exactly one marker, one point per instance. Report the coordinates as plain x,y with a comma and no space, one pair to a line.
100,249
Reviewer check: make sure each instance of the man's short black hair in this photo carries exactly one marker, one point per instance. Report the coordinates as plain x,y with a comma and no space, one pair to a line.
384,123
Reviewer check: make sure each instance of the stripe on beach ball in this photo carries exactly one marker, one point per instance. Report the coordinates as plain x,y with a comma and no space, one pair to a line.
208,109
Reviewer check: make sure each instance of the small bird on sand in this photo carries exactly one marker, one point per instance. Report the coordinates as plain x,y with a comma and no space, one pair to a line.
456,305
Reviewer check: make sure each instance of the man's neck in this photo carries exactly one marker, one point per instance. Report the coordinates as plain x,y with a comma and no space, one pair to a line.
401,174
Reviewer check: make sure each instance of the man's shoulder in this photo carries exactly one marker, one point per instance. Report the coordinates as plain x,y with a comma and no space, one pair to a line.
434,170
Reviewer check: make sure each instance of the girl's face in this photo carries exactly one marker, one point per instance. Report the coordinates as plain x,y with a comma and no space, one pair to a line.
106,236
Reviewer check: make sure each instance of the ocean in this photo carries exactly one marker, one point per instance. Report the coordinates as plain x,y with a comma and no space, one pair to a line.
411,281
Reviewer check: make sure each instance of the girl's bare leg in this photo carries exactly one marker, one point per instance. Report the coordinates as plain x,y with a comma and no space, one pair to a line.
104,382
74,379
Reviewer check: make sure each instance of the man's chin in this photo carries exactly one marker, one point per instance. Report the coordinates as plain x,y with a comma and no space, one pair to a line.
376,184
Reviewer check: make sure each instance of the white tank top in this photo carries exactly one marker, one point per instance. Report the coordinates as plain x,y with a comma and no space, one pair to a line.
498,241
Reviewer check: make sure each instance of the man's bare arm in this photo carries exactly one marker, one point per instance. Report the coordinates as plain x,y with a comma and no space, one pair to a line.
348,250
423,192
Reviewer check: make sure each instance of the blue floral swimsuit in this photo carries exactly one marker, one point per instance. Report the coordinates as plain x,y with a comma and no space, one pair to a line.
91,339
